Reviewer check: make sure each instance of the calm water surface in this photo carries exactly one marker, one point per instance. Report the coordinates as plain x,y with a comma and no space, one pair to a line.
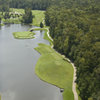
17,63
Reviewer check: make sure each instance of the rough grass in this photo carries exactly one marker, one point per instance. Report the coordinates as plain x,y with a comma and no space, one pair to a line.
12,20
24,35
52,68
1,24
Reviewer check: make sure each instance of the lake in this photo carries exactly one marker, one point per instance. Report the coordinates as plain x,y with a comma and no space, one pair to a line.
17,63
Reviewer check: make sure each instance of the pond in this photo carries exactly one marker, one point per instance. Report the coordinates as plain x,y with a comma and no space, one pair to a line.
17,63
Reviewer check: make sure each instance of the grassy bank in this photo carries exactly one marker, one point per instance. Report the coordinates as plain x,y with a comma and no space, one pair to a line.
12,20
1,24
24,35
55,69
45,34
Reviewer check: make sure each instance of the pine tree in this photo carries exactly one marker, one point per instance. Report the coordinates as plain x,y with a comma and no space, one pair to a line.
0,20
28,17
41,25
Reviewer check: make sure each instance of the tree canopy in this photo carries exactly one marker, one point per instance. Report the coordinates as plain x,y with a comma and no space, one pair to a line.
27,17
76,32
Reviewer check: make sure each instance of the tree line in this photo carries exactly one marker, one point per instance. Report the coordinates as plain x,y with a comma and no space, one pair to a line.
33,4
76,32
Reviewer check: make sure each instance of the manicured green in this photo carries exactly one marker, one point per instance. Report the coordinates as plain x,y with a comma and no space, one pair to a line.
55,69
24,35
39,16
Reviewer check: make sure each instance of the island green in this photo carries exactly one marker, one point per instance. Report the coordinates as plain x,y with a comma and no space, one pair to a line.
24,35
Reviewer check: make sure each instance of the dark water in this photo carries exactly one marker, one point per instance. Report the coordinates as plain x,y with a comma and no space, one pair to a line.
17,62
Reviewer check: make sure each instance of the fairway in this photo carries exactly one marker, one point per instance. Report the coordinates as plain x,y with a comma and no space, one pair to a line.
24,35
55,69
39,16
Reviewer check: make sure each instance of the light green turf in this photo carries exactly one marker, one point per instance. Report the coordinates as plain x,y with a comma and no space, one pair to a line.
0,97
39,15
1,24
24,35
55,69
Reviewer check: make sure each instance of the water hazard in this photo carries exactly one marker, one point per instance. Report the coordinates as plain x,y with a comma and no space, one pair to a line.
17,63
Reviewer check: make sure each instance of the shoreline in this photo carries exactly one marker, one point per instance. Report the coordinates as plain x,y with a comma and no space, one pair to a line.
74,75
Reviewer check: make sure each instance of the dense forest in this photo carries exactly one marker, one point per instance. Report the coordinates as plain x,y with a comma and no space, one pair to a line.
75,28
33,4
76,33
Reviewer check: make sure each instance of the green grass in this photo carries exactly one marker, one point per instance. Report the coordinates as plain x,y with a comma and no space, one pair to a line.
39,15
24,35
12,20
54,69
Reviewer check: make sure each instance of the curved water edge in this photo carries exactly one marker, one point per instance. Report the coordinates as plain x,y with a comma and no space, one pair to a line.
74,75
17,63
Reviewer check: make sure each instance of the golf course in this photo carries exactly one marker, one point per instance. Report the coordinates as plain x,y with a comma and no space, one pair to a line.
49,49
51,67
54,68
